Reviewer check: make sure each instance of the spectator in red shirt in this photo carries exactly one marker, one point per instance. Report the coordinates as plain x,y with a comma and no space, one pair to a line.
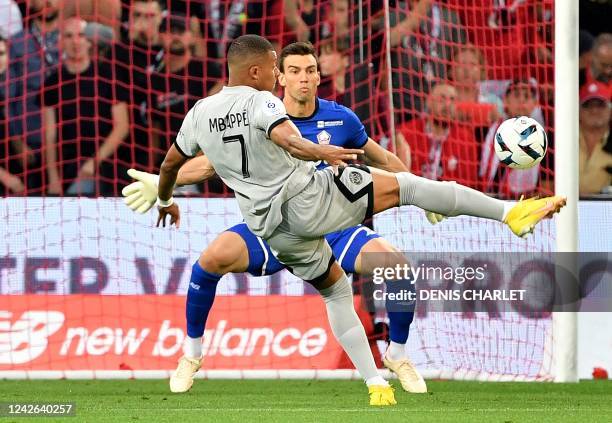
440,148
521,99
474,105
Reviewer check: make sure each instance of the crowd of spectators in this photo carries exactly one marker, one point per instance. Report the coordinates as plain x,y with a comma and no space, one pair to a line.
595,115
91,88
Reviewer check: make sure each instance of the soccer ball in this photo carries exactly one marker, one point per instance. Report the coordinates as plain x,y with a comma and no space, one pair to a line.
520,142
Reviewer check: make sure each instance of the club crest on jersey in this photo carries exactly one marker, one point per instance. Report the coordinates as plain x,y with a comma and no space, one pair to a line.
323,137
355,178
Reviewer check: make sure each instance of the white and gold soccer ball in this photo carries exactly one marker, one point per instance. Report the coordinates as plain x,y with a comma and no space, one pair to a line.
520,142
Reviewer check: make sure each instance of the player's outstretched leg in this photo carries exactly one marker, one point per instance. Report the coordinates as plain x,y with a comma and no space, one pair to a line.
349,332
375,253
452,199
227,253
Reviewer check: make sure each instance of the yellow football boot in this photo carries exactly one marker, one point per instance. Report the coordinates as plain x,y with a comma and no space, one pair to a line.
381,395
526,214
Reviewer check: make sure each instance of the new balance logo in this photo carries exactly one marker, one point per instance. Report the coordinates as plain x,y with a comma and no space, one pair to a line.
27,338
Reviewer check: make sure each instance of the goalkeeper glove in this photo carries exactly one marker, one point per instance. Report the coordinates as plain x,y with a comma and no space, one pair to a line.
434,218
141,195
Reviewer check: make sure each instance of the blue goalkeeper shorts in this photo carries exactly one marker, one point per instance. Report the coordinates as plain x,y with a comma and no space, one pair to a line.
345,245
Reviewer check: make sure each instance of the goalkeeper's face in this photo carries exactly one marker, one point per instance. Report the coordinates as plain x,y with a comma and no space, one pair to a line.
300,78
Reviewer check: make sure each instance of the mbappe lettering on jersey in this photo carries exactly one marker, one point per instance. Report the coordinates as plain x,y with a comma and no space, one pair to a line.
231,120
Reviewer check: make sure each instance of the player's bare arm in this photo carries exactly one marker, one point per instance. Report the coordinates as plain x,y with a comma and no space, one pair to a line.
168,172
199,169
167,179
287,136
195,171
376,156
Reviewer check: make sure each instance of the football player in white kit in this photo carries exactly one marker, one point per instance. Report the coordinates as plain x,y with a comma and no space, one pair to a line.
245,133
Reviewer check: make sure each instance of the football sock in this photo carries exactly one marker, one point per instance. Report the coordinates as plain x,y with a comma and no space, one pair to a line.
396,351
349,331
200,298
399,325
448,198
376,380
401,314
193,347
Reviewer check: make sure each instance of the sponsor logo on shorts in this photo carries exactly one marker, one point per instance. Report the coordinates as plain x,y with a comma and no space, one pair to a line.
355,178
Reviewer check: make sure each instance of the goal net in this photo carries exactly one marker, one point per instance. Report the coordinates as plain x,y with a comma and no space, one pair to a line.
90,289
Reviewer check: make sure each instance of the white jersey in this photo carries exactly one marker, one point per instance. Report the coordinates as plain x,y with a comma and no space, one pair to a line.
232,128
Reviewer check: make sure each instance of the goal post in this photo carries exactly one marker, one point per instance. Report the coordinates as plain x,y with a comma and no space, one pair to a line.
566,181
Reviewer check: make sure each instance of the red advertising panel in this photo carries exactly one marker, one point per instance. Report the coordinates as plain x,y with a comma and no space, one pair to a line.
146,332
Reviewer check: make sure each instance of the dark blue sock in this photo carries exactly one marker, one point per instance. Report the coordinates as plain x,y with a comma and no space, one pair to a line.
400,312
399,325
200,298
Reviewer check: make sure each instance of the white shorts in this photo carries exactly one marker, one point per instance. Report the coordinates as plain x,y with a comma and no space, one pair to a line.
329,203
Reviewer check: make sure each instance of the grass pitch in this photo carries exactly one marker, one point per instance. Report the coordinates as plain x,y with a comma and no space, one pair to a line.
314,401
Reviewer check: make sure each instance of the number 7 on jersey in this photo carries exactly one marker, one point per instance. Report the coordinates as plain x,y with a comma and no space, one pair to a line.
243,151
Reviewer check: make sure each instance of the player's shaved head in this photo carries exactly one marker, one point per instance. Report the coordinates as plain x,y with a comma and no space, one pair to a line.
247,50
251,61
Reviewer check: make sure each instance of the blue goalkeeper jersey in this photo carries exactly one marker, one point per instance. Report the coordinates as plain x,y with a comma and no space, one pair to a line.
332,123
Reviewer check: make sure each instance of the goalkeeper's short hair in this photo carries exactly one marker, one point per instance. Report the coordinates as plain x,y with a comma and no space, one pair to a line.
300,48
